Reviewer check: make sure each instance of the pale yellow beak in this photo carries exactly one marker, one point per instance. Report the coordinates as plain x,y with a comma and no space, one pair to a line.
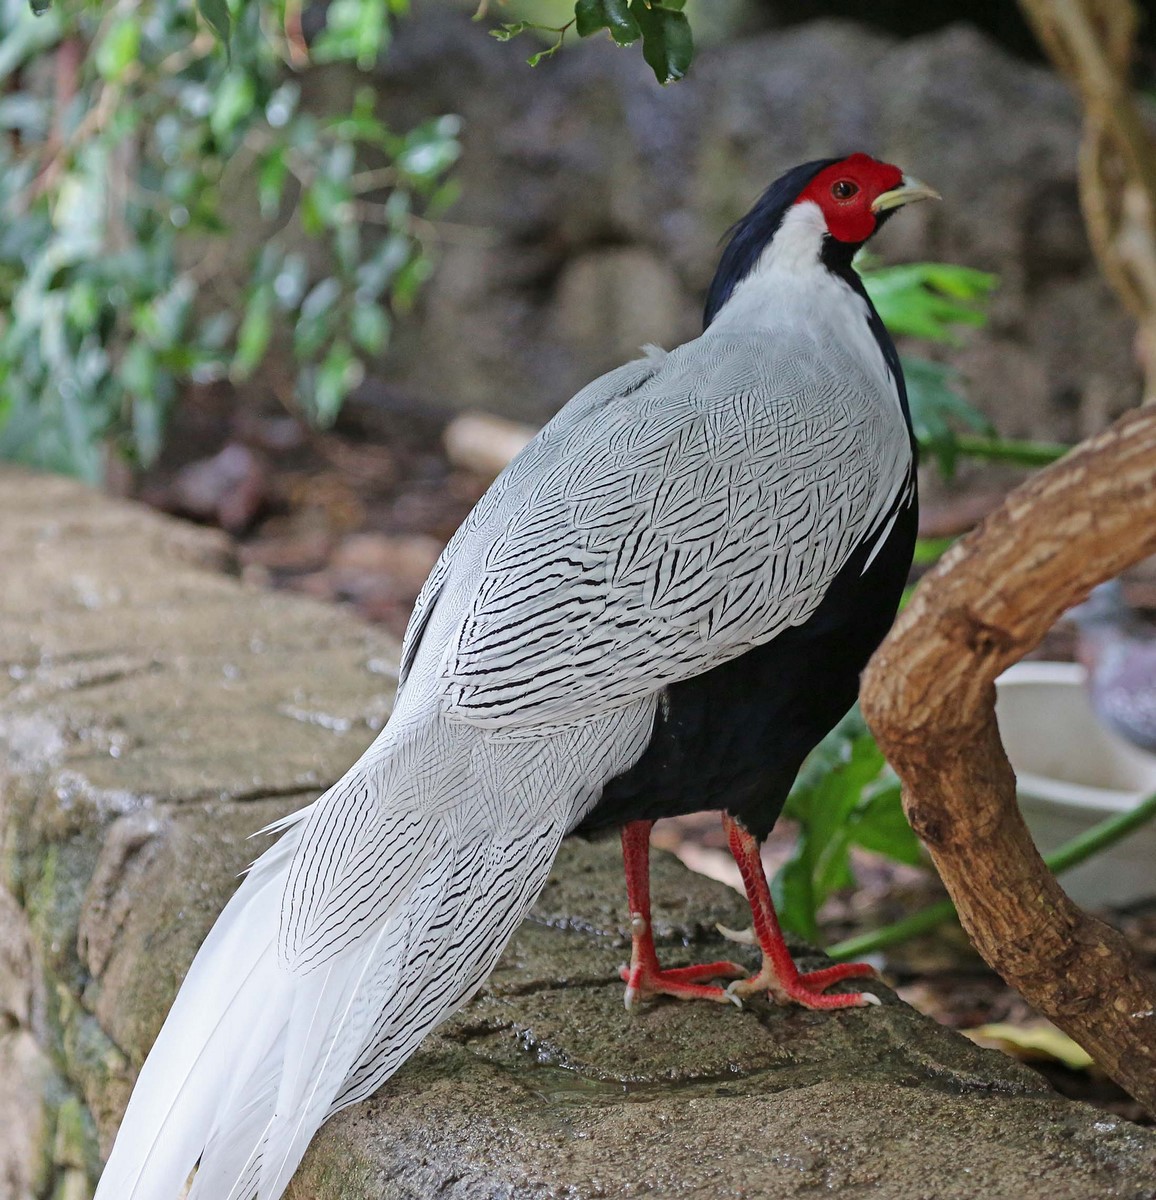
907,192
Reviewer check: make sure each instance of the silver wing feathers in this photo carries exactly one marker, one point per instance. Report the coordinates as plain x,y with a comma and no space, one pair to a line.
604,390
657,536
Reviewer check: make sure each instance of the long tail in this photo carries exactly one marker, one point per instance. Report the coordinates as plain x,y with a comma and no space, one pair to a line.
281,1021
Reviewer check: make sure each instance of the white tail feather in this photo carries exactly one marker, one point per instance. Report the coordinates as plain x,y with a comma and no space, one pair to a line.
211,1022
258,1051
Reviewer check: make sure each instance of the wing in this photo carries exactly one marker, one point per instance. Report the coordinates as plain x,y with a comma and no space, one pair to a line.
673,529
607,389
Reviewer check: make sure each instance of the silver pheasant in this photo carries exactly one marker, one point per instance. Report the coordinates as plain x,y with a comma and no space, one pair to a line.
685,515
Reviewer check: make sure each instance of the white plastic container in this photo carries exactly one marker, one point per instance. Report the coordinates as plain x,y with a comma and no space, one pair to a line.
1072,773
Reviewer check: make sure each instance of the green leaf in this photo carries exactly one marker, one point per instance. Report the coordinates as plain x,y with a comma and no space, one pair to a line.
255,332
794,896
430,149
880,825
163,320
216,14
381,268
930,300
936,408
836,787
370,327
84,305
930,550
836,799
511,30
148,423
667,42
614,15
337,376
318,319
355,31
118,49
537,59
826,757
138,369
234,102
324,204
271,182
443,198
409,279
347,247
289,281
282,104
589,17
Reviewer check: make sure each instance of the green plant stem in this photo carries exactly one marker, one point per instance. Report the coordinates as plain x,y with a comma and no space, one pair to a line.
929,550
923,921
1070,854
1022,453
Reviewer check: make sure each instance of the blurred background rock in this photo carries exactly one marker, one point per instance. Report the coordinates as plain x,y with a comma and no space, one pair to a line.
598,200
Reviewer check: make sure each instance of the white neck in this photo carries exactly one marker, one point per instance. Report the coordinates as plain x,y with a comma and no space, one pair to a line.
790,293
798,241
792,255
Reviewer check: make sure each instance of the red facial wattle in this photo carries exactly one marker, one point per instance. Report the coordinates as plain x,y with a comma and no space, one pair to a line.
845,191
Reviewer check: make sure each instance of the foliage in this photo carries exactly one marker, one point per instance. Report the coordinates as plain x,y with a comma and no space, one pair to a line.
661,26
931,301
116,274
938,408
845,796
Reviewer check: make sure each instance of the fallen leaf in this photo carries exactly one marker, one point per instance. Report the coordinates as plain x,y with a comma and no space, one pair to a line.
1035,1041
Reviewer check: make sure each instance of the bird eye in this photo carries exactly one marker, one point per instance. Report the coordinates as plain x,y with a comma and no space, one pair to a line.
844,189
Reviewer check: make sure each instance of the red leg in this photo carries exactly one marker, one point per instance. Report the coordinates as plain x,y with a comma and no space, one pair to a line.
644,977
779,976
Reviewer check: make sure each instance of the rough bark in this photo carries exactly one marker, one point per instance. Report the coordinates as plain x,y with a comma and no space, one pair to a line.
929,697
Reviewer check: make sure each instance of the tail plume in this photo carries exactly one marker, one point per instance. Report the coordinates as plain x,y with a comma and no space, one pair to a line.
283,1021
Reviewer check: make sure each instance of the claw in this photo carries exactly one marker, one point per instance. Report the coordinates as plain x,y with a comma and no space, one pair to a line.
644,977
744,937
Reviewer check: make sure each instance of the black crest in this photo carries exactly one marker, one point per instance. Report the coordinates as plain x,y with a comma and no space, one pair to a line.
749,236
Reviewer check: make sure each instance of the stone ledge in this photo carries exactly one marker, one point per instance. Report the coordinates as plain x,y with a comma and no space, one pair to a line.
154,711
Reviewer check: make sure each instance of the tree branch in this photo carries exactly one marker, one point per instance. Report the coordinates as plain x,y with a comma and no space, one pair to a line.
929,697
1093,43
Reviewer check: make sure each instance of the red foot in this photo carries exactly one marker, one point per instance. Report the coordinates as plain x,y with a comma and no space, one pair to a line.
779,977
818,981
807,989
644,977
648,979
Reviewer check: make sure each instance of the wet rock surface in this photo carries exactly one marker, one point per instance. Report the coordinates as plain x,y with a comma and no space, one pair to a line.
155,711
545,1087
